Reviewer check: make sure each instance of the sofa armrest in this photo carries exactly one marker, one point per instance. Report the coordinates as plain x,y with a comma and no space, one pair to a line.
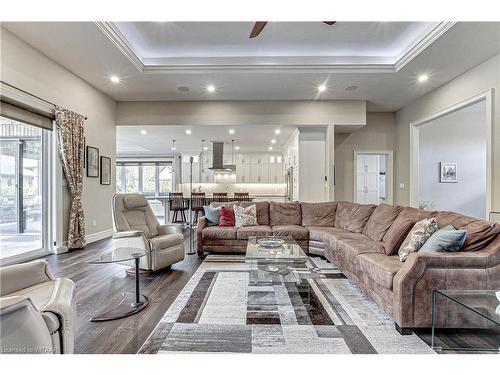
422,273
23,328
61,304
24,275
202,223
128,234
169,229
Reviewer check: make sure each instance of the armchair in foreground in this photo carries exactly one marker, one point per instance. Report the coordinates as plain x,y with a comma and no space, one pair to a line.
136,227
37,311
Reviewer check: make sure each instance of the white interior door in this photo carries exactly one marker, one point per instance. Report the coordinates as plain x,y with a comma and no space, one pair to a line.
368,179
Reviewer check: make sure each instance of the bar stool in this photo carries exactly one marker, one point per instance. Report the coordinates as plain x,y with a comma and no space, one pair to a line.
197,203
178,204
242,197
220,197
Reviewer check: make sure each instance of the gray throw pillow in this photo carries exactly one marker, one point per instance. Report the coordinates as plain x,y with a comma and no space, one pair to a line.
212,214
447,239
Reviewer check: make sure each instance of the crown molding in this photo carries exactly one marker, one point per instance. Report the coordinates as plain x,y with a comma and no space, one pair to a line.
15,95
410,53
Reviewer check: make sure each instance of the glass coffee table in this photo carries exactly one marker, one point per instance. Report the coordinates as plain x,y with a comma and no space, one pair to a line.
131,303
283,263
467,309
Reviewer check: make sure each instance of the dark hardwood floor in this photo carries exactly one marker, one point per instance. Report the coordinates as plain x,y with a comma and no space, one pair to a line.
98,286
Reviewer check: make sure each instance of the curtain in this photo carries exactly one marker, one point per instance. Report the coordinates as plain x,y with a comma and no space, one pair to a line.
70,139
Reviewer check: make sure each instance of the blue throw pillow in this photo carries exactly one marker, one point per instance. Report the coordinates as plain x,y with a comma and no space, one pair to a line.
212,214
447,239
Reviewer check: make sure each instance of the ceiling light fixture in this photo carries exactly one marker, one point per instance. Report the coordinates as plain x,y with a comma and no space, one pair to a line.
273,141
188,131
173,144
237,148
351,88
423,78
231,131
277,131
270,148
211,88
114,79
143,132
322,88
205,148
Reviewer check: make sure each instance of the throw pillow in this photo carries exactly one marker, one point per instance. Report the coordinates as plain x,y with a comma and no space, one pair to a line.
226,218
395,236
420,233
446,239
245,216
212,214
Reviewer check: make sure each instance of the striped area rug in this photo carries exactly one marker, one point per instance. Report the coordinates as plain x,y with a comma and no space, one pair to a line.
221,310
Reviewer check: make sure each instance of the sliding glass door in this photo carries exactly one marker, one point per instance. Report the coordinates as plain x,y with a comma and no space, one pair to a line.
22,152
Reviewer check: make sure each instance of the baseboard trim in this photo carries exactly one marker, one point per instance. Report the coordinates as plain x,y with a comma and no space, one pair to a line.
98,236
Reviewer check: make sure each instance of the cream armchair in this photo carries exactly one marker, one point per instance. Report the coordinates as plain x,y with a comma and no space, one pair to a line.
136,227
37,311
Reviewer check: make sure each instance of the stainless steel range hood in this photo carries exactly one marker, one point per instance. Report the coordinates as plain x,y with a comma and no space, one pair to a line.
218,159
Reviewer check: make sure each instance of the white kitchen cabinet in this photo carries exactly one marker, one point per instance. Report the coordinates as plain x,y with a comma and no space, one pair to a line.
242,159
276,173
259,173
243,173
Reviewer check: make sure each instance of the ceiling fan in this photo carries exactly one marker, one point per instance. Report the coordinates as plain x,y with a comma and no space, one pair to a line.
259,26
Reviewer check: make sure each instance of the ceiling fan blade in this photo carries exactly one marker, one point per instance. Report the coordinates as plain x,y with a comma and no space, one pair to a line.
257,28
330,23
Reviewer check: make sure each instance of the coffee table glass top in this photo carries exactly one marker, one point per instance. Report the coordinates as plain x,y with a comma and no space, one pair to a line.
483,302
289,250
118,255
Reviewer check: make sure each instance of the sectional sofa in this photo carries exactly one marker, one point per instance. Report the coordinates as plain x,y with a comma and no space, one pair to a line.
355,238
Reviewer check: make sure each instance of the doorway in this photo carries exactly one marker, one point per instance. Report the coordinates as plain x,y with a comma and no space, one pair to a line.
373,177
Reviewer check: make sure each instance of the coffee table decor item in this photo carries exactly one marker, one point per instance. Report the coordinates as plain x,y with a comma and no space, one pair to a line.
477,310
270,242
131,303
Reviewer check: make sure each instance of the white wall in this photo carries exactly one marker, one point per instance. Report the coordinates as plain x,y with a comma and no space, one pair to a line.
458,137
377,135
27,69
477,80
312,166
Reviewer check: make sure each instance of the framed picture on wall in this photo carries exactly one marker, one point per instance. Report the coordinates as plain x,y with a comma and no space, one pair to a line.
448,172
105,170
92,162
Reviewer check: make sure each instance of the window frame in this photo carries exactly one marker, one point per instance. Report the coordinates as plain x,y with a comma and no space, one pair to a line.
140,164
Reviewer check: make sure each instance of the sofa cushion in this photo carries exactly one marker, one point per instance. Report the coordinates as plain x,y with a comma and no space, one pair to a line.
380,221
226,218
380,267
479,232
318,214
262,211
212,214
322,233
285,213
447,239
245,216
134,201
257,230
297,232
168,240
219,233
395,236
417,236
353,216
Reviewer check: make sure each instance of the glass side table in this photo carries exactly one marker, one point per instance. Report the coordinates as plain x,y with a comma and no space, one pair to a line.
467,309
131,303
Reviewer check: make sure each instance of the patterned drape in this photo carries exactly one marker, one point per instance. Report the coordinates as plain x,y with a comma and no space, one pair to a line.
70,138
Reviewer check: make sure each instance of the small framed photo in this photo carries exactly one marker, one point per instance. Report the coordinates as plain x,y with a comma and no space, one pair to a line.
105,170
92,162
448,172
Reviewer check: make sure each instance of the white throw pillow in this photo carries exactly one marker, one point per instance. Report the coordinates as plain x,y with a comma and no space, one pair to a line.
245,217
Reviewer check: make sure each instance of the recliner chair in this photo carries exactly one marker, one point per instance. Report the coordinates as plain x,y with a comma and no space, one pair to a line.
136,227
37,311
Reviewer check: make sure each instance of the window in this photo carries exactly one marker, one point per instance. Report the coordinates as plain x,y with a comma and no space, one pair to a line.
148,178
22,193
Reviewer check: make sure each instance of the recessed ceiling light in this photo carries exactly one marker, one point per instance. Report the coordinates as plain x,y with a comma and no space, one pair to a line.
351,88
270,148
144,132
183,88
273,141
114,79
321,88
205,148
231,131
423,78
188,131
210,88
277,131
237,148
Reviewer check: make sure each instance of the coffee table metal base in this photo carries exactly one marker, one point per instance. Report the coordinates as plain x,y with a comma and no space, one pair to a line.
126,307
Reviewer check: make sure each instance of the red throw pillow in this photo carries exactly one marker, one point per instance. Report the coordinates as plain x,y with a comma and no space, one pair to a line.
226,218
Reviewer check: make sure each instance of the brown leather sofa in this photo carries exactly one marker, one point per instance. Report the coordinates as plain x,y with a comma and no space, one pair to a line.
354,238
